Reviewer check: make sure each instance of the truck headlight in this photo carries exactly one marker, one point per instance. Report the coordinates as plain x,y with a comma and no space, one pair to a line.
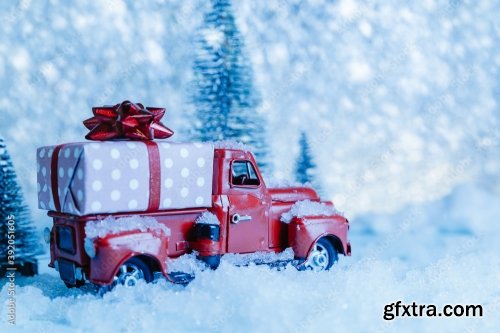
46,235
89,247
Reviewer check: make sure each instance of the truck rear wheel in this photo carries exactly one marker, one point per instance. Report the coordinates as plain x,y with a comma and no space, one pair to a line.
322,257
133,271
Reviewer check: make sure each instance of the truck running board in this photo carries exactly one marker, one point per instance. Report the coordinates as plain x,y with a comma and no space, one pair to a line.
180,277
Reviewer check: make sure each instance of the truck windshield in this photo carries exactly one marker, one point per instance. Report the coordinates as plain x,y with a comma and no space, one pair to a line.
243,173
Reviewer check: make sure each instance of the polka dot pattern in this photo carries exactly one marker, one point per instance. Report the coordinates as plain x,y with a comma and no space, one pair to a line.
200,181
133,163
96,185
168,162
133,184
97,164
116,174
168,182
132,204
109,177
96,206
79,173
115,195
186,175
184,153
115,153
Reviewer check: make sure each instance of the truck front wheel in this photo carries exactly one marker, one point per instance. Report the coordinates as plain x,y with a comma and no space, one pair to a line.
322,256
132,271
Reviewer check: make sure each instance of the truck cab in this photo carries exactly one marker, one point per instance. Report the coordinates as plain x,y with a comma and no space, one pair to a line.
249,217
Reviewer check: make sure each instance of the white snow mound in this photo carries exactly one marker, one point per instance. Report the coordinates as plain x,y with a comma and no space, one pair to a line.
229,144
187,263
207,218
309,208
244,259
111,226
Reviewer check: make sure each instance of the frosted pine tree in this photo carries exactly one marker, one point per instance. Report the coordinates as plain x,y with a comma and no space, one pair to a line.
13,207
224,95
305,168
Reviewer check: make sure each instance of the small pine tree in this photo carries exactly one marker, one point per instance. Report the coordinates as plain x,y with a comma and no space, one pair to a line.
13,207
224,95
305,168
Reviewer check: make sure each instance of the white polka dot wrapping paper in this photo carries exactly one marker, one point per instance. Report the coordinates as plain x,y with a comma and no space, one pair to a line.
113,176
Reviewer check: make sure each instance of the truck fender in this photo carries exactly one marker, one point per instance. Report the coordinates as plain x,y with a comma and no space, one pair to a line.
303,236
150,260
110,258
334,240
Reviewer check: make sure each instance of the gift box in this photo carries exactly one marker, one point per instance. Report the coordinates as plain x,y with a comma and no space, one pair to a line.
124,176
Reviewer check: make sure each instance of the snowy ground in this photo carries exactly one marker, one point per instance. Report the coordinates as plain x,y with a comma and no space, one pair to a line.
403,94
423,253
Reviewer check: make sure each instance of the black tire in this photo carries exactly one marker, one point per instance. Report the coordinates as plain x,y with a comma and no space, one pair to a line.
323,255
145,274
134,268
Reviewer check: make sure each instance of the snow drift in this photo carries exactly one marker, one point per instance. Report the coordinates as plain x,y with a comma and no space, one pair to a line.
453,260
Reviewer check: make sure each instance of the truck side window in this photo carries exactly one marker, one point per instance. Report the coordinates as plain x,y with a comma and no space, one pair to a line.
243,173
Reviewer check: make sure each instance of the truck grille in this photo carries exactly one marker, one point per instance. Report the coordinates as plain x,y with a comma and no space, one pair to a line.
66,239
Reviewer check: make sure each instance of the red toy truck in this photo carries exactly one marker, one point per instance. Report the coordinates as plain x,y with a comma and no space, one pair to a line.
244,216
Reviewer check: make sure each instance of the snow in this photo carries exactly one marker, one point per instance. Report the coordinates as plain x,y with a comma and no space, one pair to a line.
112,226
207,218
423,58
408,147
453,259
306,208
186,263
260,257
229,144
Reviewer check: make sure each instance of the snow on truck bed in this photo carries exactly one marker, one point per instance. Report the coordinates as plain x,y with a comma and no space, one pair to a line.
112,226
207,218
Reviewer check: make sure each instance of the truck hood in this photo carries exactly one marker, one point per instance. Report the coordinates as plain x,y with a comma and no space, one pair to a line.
292,194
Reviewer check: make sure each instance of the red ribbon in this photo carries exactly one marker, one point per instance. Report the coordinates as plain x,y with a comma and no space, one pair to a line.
54,179
154,176
126,120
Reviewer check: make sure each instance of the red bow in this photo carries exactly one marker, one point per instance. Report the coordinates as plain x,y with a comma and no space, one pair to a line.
126,120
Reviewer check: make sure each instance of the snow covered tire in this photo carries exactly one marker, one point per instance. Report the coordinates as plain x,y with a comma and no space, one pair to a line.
132,271
323,255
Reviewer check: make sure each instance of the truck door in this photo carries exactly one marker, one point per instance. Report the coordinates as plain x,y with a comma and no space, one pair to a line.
248,209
